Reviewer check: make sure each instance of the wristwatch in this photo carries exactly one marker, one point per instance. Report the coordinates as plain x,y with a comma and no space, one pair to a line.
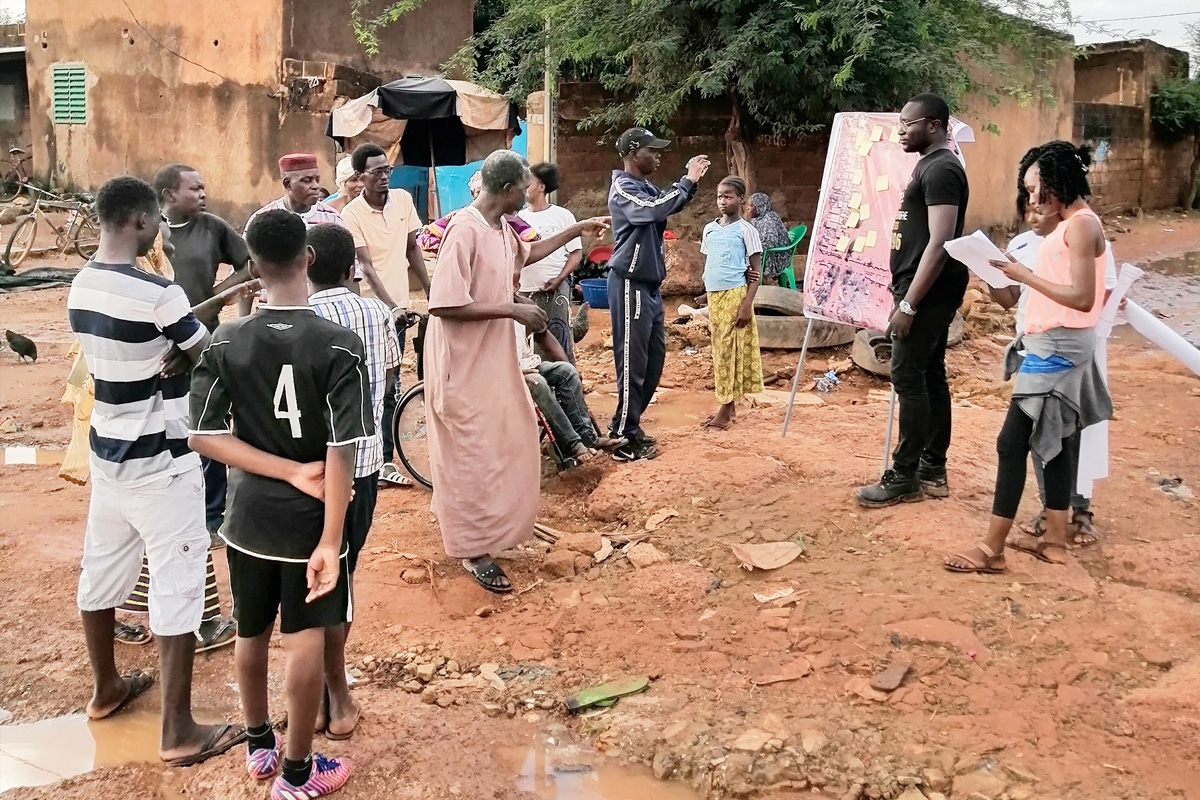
905,308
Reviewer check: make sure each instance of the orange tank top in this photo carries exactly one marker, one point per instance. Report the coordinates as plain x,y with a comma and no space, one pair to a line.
1054,266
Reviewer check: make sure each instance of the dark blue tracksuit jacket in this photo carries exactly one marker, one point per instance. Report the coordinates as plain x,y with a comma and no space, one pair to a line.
637,268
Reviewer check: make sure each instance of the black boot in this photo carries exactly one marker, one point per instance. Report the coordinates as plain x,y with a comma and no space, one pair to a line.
894,487
933,479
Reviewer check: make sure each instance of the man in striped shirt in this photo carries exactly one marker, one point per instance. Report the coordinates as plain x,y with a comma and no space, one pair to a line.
330,275
147,488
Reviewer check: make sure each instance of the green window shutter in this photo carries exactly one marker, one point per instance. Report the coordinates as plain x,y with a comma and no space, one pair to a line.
70,94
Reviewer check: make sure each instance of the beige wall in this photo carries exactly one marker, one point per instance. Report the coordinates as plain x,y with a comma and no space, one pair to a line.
416,44
993,158
147,107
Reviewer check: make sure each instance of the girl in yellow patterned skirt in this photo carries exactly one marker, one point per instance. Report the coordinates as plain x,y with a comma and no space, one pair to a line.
732,272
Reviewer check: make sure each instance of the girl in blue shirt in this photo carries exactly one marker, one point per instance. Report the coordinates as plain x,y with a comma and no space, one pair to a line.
732,272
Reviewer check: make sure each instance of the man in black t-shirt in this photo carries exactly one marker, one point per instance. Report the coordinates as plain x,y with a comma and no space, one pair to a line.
928,288
296,390
201,243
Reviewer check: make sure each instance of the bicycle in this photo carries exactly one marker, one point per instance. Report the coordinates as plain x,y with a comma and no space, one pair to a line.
410,431
13,177
81,233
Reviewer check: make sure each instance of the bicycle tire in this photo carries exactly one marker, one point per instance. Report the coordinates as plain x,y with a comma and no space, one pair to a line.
409,425
21,241
87,236
11,183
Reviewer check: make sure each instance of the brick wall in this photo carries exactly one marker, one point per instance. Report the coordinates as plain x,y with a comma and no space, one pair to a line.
1114,132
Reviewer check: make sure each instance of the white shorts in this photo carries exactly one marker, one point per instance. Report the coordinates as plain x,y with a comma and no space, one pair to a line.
163,519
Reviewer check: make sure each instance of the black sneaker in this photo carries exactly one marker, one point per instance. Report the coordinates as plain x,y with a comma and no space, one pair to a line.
894,487
636,449
645,438
933,479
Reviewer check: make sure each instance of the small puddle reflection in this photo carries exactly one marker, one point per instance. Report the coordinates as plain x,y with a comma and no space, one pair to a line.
1186,264
43,752
571,773
671,409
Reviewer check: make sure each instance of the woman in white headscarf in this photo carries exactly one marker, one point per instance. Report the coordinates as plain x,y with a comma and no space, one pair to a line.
349,185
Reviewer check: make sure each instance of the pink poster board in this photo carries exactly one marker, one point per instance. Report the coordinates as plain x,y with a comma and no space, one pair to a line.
847,277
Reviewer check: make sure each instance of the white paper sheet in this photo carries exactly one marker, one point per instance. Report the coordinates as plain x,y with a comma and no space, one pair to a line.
1093,440
976,251
1160,334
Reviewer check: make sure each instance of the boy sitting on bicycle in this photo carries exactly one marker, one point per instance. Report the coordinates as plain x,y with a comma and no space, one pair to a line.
557,390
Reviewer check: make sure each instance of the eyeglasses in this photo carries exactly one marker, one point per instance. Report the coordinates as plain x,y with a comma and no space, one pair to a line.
905,124
380,172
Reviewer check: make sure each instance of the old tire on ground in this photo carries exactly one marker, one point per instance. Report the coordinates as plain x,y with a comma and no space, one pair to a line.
778,300
787,333
872,351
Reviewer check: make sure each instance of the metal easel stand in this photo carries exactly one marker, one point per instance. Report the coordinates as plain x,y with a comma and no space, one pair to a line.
796,379
887,445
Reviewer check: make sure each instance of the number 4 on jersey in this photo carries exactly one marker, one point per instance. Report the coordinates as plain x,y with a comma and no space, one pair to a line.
286,406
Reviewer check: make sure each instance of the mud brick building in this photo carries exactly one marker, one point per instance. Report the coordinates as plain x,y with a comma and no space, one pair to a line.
1133,168
226,87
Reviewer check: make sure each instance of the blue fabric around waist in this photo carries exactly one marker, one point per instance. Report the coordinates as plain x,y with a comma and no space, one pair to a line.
1034,363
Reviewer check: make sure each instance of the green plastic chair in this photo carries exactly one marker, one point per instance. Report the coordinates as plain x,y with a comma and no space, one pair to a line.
788,277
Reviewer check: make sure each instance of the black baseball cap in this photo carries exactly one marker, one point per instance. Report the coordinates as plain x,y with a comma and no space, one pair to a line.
636,138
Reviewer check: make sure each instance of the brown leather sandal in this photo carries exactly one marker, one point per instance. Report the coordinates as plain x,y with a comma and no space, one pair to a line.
992,564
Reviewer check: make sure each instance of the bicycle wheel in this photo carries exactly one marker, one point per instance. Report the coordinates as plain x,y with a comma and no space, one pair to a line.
411,435
87,236
21,241
11,184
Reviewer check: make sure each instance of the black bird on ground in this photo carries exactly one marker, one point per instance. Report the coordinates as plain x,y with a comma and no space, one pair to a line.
22,346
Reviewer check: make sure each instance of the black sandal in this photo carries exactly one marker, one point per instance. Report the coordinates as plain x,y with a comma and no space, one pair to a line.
131,634
488,575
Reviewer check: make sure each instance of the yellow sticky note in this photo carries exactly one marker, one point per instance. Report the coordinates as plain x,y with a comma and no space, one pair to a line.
843,243
862,138
852,220
864,212
870,238
881,183
855,200
856,177
860,243
864,149
877,133
895,137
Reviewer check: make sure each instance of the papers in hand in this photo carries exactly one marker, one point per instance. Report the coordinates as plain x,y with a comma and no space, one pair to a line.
976,251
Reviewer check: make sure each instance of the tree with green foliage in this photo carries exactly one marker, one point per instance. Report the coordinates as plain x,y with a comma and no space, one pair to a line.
784,66
1175,110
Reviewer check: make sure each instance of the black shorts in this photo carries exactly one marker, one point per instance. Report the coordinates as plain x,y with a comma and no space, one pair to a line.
263,588
359,514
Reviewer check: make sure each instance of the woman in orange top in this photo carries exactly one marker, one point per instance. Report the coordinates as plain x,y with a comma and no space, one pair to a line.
1059,388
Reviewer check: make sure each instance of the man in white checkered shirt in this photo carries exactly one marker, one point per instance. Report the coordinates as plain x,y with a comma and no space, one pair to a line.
329,274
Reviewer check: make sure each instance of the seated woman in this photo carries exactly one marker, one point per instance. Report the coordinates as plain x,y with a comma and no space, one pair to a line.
557,391
772,232
429,238
1059,388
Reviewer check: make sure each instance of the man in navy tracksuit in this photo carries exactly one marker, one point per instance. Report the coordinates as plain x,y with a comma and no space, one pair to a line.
637,268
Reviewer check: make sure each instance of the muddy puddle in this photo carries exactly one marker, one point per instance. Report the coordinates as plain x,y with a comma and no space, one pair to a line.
1186,264
569,773
671,408
43,752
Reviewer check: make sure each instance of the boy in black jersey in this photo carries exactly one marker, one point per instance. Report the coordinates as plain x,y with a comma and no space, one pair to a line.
296,389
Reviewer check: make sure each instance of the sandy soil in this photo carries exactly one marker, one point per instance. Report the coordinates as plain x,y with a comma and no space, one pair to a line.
1044,682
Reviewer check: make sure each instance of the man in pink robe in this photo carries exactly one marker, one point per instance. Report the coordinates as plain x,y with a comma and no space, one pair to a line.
483,435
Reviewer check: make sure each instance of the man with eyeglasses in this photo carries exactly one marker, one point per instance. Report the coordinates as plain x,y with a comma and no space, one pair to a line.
384,224
928,288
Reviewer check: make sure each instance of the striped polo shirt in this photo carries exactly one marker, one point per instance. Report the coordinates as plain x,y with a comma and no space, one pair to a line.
372,321
126,320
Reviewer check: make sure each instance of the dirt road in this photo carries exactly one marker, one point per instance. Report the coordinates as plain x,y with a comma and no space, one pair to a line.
1044,682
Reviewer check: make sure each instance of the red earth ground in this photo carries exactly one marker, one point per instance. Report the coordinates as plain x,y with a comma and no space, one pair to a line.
1044,682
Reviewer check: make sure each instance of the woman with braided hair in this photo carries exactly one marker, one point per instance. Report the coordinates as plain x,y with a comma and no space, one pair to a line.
1059,388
